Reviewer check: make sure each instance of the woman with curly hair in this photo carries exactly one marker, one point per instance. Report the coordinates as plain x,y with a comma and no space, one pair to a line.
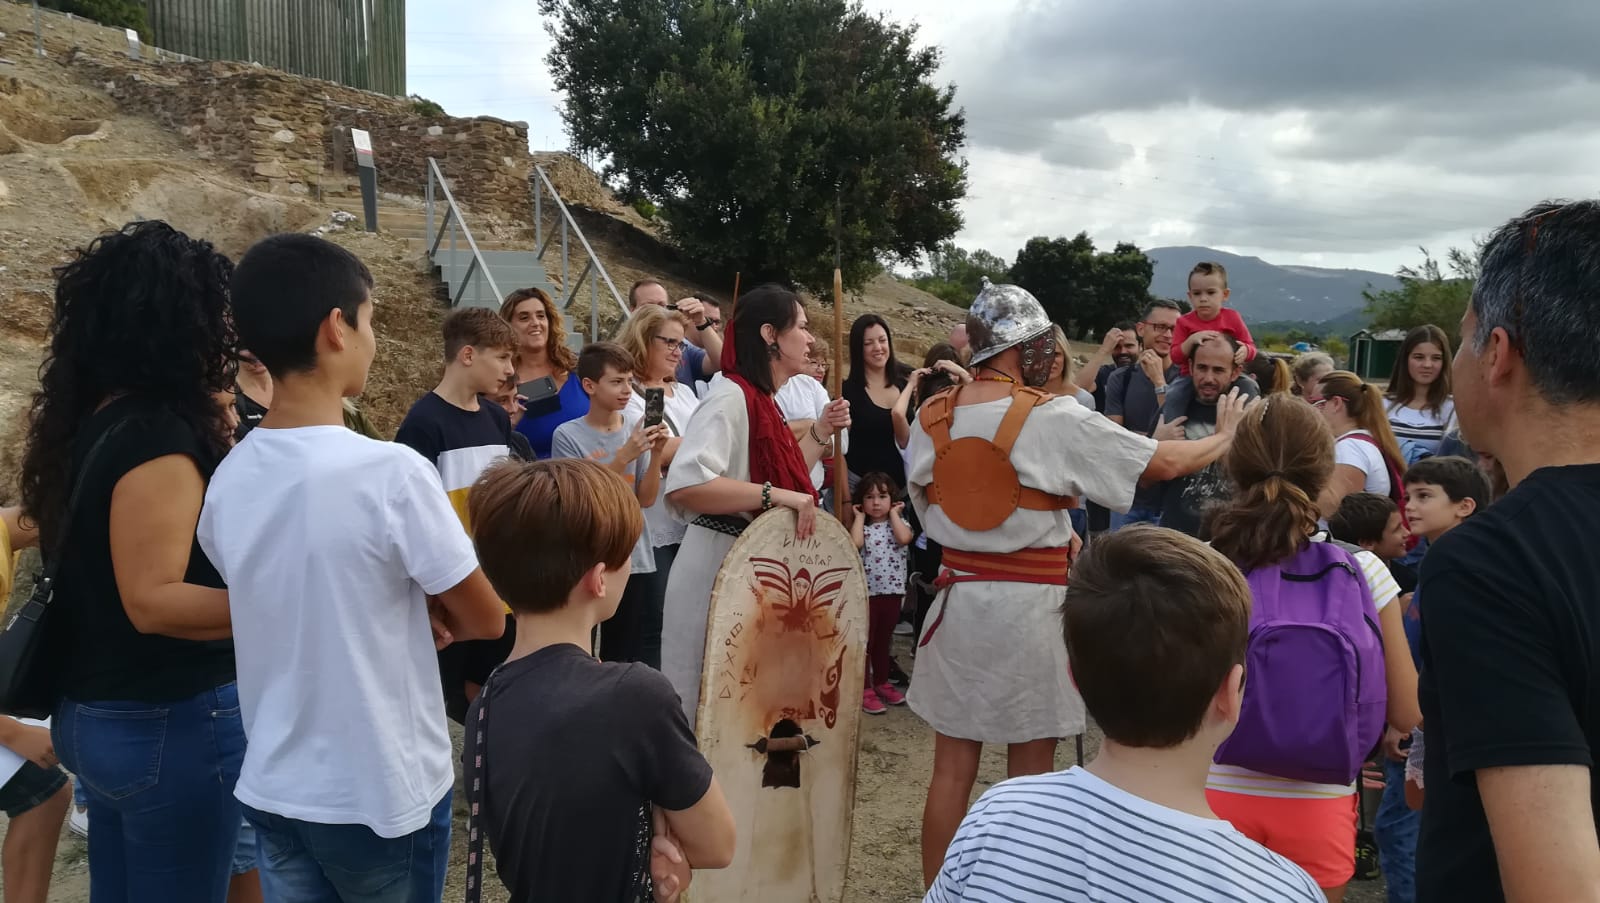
141,348
542,354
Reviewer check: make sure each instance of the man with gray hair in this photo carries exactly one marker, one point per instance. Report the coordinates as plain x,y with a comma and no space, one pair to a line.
1510,686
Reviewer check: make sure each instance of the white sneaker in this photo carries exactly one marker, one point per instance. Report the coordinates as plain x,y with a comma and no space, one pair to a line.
904,628
78,821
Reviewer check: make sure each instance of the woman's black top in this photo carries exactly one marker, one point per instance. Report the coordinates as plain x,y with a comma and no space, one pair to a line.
872,445
102,656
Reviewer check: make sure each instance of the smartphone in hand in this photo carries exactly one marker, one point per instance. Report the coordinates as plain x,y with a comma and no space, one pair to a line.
655,406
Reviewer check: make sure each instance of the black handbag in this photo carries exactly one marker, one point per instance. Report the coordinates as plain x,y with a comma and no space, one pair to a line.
29,673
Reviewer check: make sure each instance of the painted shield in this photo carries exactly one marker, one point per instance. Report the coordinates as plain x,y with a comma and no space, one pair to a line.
780,709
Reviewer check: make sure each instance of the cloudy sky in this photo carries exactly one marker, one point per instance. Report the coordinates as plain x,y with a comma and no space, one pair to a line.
1321,132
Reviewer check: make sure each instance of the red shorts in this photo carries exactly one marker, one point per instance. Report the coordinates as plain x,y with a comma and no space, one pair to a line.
1319,835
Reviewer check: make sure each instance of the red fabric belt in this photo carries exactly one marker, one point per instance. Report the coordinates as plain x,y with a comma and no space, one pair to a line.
1047,567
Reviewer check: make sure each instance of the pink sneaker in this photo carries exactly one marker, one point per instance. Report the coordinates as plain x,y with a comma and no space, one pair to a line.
890,695
871,704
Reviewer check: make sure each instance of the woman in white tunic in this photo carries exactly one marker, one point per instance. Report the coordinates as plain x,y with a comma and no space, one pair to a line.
992,667
737,459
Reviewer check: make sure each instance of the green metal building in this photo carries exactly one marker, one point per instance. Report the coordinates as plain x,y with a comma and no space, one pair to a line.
1372,354
360,43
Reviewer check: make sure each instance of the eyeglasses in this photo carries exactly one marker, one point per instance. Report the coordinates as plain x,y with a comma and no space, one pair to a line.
1159,327
1318,401
672,344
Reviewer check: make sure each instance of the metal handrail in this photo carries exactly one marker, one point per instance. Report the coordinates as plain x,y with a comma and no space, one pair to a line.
592,265
452,218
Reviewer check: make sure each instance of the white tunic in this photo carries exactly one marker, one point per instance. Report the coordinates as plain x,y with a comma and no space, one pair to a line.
715,444
995,671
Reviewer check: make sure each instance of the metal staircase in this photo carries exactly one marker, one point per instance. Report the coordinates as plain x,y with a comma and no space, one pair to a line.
481,277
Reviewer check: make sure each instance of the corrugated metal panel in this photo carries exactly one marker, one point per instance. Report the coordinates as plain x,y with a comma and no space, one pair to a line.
360,43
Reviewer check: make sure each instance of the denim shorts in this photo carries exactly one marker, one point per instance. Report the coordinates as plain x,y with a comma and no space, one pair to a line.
30,788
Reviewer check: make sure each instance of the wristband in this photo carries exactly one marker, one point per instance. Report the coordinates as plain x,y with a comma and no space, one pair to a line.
816,438
766,495
704,326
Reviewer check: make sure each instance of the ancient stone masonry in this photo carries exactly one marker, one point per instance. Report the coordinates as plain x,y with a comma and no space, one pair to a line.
291,135
485,159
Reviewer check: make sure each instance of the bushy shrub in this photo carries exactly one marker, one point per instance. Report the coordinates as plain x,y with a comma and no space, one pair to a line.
422,106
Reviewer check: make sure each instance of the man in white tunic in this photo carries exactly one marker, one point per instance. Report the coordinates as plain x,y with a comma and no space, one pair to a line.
994,467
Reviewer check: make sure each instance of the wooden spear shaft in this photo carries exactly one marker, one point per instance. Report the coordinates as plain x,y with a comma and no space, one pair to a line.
841,474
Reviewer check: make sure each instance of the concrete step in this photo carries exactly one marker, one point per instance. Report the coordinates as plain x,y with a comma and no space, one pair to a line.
510,270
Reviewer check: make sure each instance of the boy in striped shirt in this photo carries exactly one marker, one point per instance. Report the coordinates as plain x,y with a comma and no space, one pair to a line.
1155,624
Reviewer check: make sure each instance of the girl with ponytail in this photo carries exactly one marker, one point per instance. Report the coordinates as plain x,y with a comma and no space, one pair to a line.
1282,460
1367,458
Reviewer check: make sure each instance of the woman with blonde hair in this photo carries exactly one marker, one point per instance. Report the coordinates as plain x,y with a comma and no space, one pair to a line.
1309,369
1061,370
1283,459
1366,456
544,360
654,337
1420,409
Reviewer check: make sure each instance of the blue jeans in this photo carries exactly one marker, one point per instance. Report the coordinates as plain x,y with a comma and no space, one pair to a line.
159,779
306,862
1396,831
1138,514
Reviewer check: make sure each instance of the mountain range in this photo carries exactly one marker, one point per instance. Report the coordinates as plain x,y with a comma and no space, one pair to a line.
1265,292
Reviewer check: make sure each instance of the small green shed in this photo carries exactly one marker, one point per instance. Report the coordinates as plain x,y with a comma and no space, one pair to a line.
1372,354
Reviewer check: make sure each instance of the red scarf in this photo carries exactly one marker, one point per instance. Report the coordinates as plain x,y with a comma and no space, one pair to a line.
775,455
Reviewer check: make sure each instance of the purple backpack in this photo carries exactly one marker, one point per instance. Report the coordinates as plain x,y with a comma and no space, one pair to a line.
1315,688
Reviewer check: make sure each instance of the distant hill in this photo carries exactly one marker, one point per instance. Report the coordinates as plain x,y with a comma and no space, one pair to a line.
1267,292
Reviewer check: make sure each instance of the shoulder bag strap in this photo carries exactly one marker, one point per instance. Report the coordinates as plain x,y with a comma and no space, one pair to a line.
474,776
47,576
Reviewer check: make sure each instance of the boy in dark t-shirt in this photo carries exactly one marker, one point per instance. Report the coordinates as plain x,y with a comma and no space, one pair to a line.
577,754
462,434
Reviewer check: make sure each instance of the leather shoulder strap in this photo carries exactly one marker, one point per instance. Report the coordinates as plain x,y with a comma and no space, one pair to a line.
935,415
1023,400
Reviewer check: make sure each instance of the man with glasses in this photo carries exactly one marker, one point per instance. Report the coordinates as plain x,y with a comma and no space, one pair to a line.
1510,679
702,356
1135,394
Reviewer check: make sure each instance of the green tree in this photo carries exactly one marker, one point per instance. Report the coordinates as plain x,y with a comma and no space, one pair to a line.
1428,293
116,13
1337,349
745,121
1085,291
956,275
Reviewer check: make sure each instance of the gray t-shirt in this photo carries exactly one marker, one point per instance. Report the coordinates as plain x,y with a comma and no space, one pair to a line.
577,439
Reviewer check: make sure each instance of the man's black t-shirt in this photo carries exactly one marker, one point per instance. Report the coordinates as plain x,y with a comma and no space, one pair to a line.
103,657
1510,664
1184,500
574,748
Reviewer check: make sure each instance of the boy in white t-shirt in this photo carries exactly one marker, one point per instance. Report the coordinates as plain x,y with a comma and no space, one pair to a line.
1156,625
346,568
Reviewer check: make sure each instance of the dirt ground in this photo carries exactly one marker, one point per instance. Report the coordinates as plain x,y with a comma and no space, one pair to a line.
885,863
